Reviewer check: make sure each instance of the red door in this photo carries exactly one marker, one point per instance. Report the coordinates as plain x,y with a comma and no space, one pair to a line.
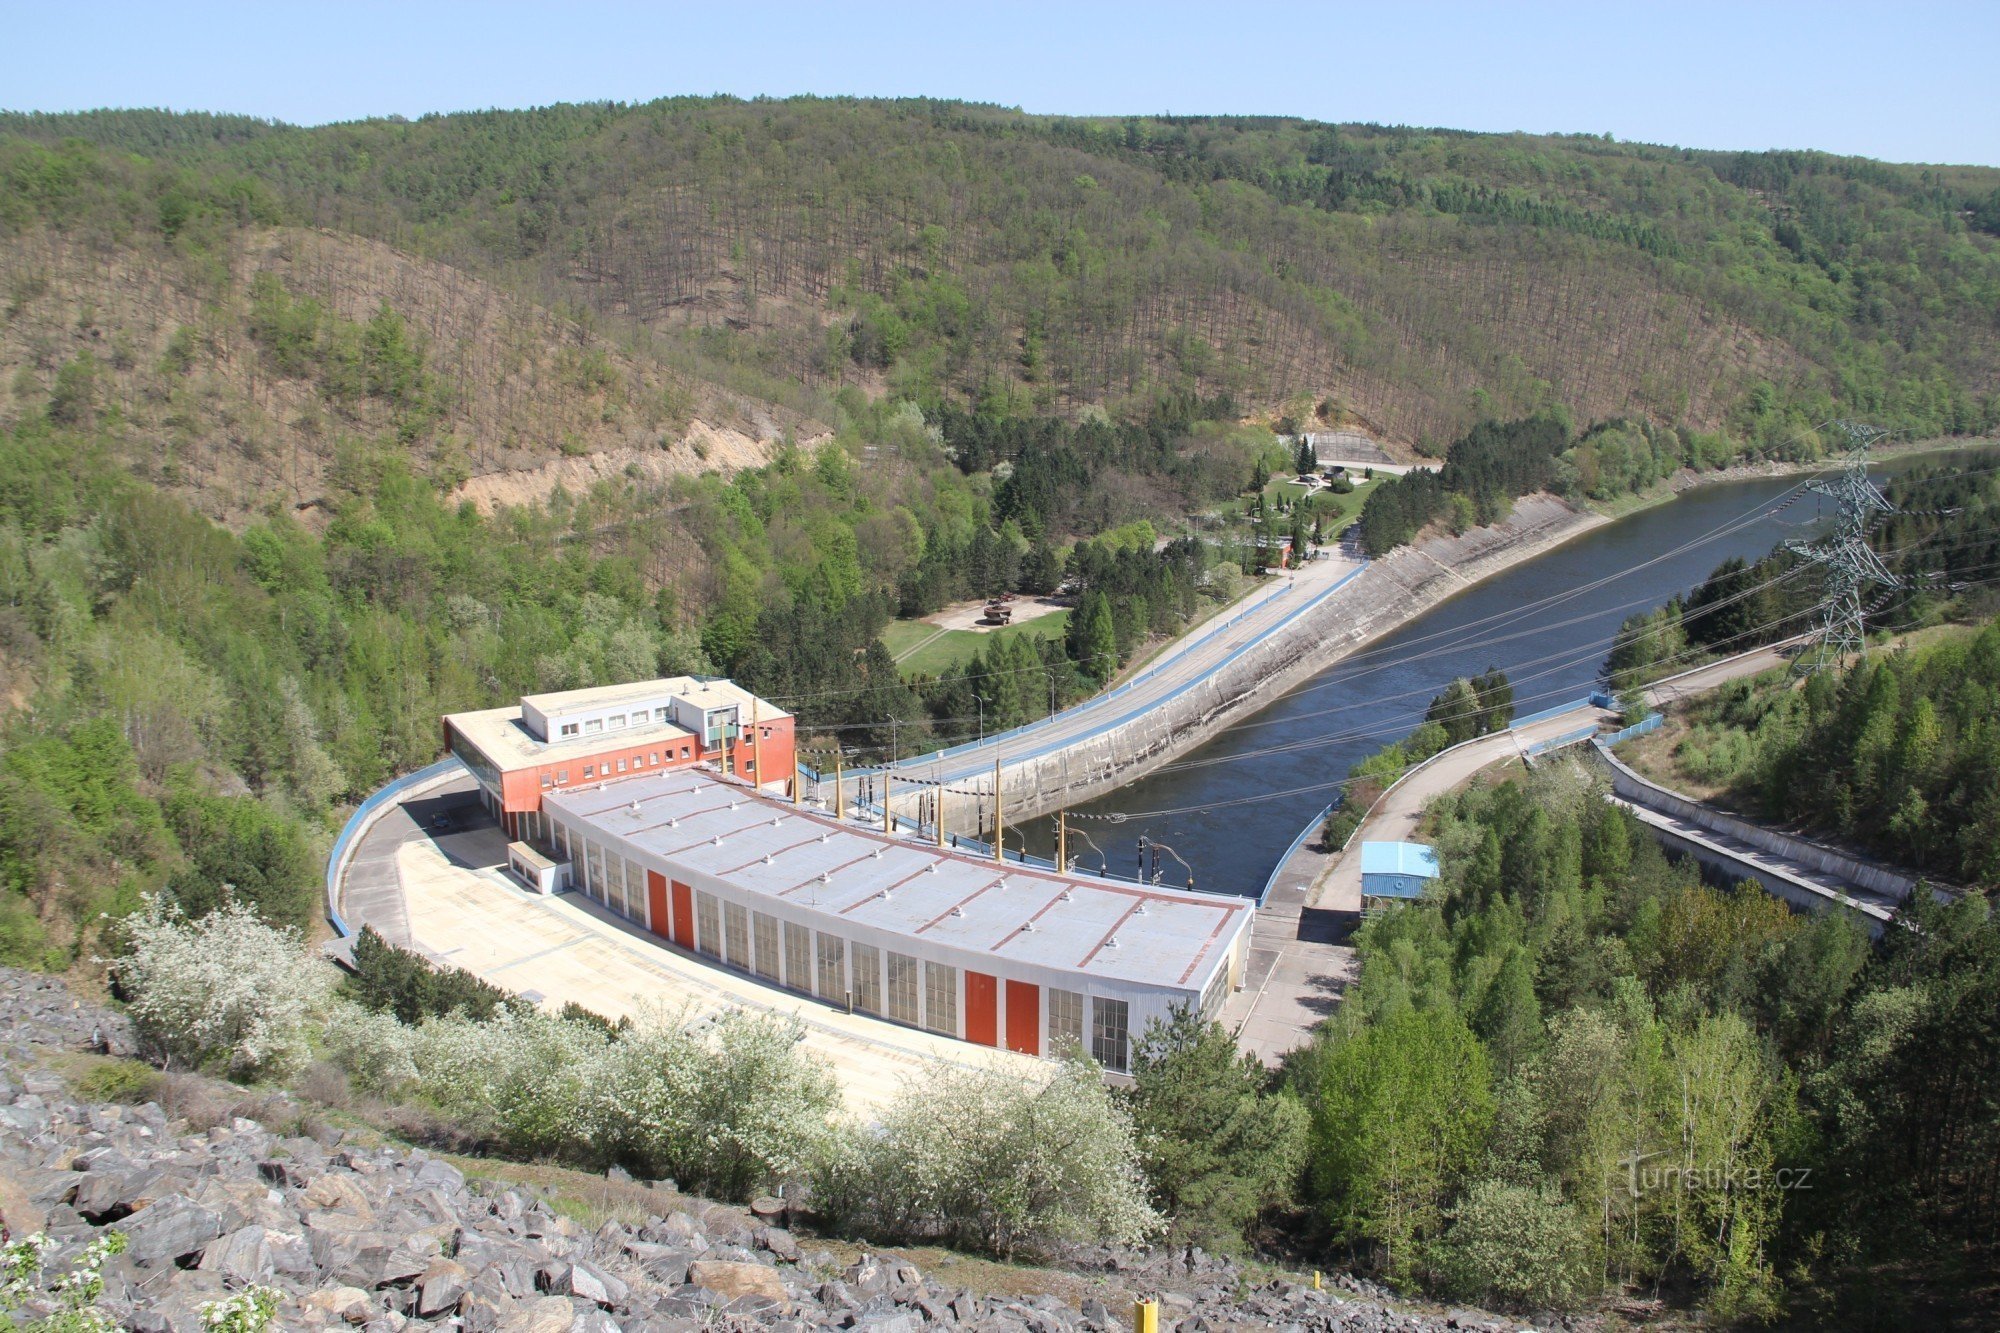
1024,1017
656,903
683,915
982,1009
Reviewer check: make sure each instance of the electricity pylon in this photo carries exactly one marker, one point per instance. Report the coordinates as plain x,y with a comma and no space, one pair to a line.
1851,564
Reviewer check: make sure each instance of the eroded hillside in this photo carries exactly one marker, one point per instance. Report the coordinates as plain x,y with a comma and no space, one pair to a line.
236,374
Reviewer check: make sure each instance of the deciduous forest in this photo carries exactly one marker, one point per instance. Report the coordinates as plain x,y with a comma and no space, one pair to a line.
309,435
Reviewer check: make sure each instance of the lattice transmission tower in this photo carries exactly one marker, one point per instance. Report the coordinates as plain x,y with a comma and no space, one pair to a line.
1852,567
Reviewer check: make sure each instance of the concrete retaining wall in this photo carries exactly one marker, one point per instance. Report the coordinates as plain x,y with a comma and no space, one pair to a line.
364,817
1381,598
1629,786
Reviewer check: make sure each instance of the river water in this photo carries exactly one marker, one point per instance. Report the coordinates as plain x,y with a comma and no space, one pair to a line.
1231,809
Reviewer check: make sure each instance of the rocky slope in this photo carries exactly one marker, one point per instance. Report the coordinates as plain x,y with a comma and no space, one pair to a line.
385,1239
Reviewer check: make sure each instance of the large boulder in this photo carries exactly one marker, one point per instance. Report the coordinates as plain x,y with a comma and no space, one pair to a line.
168,1230
731,1280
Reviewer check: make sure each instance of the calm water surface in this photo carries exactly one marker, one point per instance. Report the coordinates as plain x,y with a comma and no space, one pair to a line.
1546,623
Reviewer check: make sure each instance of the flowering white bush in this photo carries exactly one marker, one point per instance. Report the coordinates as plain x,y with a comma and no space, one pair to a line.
986,1158
524,1076
374,1048
248,1311
70,1298
225,991
724,1110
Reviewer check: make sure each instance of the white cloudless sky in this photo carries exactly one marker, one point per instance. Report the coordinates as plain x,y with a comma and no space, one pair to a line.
1911,82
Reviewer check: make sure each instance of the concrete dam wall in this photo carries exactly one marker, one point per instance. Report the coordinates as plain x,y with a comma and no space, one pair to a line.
1380,598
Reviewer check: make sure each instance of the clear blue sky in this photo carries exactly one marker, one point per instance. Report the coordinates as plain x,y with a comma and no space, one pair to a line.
1908,81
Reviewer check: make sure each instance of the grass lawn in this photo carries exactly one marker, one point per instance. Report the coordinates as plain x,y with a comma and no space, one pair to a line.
899,636
954,648
1336,511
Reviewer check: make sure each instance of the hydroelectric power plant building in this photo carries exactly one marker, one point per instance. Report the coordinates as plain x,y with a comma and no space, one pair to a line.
713,861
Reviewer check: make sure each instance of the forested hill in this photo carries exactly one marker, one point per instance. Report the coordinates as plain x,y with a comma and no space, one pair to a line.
1422,280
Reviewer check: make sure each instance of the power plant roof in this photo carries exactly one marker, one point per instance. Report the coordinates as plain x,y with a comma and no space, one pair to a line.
696,820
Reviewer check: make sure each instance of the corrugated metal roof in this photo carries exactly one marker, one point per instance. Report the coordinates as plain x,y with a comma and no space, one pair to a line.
694,819
1398,858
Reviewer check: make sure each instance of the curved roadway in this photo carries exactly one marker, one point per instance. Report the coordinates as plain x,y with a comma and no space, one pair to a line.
1186,662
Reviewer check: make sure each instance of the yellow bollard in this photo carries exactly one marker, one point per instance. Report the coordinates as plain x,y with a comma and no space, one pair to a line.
1315,1279
1146,1316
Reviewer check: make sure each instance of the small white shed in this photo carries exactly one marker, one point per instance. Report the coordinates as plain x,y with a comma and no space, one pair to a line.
536,871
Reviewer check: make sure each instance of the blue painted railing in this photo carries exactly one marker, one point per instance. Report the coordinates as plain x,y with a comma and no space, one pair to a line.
337,861
1645,726
1595,699
1576,737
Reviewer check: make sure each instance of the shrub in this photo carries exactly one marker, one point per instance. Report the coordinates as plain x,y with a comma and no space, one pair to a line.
524,1077
983,1158
1521,1245
724,1111
373,1049
118,1081
226,992
406,984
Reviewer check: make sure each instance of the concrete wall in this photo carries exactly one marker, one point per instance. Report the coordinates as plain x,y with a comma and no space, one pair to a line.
1628,785
1381,598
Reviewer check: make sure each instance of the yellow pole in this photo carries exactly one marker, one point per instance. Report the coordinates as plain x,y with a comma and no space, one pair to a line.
1316,1285
1146,1316
795,771
999,819
1062,840
888,825
937,811
838,807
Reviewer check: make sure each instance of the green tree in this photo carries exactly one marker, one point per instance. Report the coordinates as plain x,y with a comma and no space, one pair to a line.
1217,1144
1093,636
1401,1118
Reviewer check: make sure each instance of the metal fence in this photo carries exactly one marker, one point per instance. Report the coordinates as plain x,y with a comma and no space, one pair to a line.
1576,737
1645,726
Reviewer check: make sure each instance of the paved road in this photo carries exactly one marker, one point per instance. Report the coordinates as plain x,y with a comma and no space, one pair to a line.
444,893
1295,971
371,892
1811,886
1187,661
1401,808
1299,959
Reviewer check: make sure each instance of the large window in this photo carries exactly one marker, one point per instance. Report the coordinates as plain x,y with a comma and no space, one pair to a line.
832,968
708,925
867,979
1107,1032
766,930
736,930
941,998
614,880
903,989
1065,1020
798,957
